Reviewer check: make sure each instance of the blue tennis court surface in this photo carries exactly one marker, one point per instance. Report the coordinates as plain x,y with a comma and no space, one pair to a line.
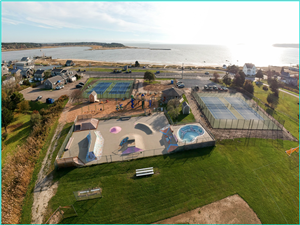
243,108
217,108
100,88
120,88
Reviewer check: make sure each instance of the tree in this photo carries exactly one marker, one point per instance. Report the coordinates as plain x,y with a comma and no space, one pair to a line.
23,106
35,118
272,99
47,74
227,79
259,74
7,117
274,87
233,69
16,98
149,76
248,86
137,64
239,79
173,108
76,95
216,76
26,82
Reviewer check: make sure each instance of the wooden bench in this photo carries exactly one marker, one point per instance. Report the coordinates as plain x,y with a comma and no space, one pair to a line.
144,172
69,143
125,118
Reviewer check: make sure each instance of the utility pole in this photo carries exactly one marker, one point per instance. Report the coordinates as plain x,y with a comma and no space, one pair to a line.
182,71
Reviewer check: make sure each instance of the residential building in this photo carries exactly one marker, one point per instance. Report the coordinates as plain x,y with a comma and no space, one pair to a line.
284,74
39,75
4,70
172,93
56,71
249,69
53,82
70,63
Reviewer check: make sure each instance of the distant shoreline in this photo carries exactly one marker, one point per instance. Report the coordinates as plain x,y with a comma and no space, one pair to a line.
286,45
92,48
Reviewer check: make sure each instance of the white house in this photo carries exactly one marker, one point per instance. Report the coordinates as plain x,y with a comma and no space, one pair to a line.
249,69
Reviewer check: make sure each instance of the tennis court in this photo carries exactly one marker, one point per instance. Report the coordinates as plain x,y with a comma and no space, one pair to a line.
110,88
100,88
218,108
120,88
243,108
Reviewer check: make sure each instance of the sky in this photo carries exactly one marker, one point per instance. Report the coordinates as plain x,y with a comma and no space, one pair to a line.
220,23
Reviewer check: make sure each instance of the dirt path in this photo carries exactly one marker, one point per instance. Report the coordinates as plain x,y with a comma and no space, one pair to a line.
44,187
230,210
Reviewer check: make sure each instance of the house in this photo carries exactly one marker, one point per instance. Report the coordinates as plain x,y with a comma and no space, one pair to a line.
294,69
185,108
53,82
27,72
172,93
39,75
70,63
284,74
249,69
4,70
9,80
65,78
25,63
56,71
93,97
16,73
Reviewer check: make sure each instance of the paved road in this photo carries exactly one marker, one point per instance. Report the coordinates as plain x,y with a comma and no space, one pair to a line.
297,96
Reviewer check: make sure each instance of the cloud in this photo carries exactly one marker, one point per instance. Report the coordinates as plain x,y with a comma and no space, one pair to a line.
10,21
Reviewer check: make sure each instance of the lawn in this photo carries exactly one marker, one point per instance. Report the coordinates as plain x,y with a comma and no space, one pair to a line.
264,176
37,105
287,105
18,131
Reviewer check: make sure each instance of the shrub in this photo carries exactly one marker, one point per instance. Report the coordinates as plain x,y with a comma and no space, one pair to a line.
63,98
35,118
265,88
23,106
4,136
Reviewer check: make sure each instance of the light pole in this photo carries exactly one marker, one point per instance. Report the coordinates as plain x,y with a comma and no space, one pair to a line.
182,71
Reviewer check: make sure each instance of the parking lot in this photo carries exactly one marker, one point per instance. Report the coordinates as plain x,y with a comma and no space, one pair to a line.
188,83
33,93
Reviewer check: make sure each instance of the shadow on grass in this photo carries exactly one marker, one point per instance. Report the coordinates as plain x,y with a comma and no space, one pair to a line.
21,135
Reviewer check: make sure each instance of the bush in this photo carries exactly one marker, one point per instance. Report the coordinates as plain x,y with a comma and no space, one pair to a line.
63,98
4,136
34,85
23,106
265,88
35,118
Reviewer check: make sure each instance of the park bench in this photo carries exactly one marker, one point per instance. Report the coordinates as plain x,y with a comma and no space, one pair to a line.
144,172
69,143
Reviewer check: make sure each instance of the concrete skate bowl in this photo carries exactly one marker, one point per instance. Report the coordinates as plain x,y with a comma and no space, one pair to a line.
145,128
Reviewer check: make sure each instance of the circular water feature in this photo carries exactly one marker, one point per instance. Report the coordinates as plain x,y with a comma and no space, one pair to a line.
189,133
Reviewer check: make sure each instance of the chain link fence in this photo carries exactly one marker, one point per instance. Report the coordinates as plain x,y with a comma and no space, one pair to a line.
267,122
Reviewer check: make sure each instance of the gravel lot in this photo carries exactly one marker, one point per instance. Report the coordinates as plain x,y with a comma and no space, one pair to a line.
33,93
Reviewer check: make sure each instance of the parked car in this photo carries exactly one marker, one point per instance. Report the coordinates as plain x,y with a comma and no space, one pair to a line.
225,89
129,71
144,67
39,98
205,87
181,85
79,86
215,87
157,72
206,73
211,88
179,82
220,89
81,83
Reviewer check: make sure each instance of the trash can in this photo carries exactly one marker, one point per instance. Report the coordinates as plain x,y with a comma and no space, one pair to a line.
172,81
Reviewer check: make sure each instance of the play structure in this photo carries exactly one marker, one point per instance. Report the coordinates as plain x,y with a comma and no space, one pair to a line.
131,144
289,152
95,152
170,138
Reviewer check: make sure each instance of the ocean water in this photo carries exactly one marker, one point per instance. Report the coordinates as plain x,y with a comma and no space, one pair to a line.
198,55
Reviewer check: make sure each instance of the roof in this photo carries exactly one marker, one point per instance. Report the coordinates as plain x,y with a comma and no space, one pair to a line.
24,58
94,93
69,61
54,79
57,70
172,92
64,71
64,76
285,73
184,104
9,77
249,65
39,71
14,70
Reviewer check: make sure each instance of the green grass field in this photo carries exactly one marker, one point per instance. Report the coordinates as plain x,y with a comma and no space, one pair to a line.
106,93
286,104
18,131
265,177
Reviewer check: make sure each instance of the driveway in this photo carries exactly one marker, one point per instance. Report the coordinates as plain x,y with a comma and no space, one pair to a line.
33,93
